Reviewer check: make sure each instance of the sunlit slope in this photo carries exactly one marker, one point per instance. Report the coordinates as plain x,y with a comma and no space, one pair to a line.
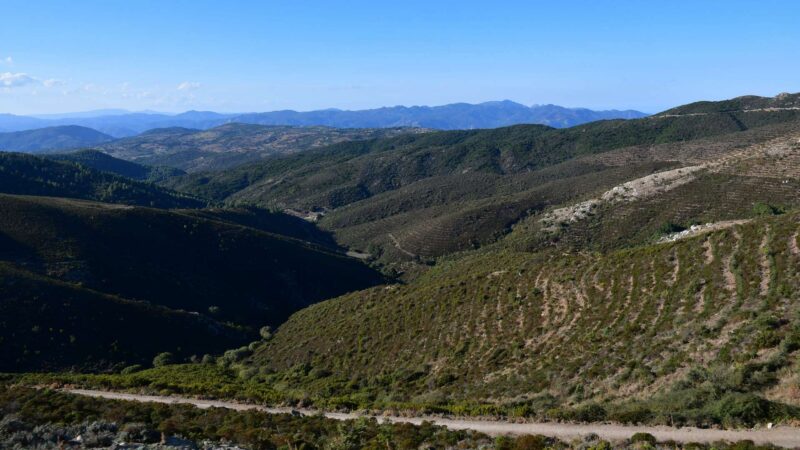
507,326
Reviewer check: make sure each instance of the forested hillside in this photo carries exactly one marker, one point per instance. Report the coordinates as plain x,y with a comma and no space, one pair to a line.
193,279
98,160
31,175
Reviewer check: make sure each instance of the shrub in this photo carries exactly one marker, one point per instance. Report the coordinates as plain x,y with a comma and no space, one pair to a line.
633,414
132,369
531,442
741,409
163,359
670,227
503,443
643,437
765,209
590,413
235,355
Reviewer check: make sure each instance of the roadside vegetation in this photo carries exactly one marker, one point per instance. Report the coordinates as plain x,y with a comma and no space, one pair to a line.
41,417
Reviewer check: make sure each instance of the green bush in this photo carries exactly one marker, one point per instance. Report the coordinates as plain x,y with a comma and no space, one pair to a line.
163,359
670,227
590,413
132,369
741,409
643,437
531,442
764,209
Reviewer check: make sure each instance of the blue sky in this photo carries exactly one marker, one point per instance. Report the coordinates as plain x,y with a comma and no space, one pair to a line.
175,55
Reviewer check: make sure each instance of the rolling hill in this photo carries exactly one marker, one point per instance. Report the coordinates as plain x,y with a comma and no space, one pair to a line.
232,144
424,196
98,160
52,138
32,175
67,262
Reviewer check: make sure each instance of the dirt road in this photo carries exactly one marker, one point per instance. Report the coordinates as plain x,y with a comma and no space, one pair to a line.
781,436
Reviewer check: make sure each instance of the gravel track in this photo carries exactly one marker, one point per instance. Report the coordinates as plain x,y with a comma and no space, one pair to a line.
781,436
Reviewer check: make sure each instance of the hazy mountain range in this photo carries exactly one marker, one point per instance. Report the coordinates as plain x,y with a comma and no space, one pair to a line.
121,123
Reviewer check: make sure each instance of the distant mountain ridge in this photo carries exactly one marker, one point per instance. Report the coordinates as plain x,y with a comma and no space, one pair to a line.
447,117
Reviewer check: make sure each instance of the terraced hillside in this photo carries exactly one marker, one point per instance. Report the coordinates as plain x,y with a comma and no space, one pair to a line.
98,160
231,144
430,195
705,322
31,175
193,267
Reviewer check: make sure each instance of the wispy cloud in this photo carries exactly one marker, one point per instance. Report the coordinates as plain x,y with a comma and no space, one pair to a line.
8,60
189,86
11,80
52,82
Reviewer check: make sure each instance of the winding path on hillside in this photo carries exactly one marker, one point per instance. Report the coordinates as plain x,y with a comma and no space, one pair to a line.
781,436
